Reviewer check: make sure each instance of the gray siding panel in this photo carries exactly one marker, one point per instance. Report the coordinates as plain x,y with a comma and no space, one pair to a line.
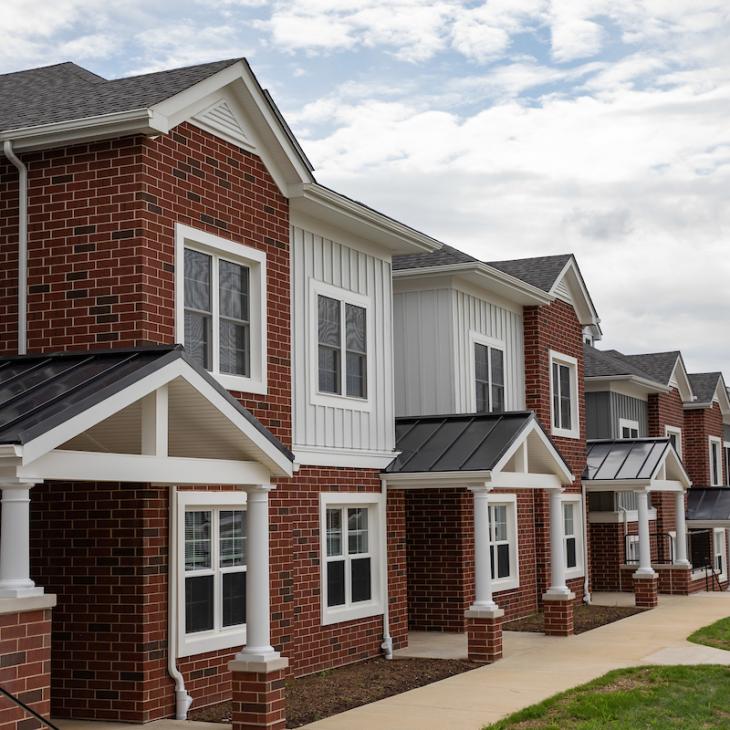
623,406
598,416
605,409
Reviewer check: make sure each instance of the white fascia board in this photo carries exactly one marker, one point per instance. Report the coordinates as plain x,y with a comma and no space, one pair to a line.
428,480
275,460
136,121
584,305
106,467
522,480
648,385
487,277
679,374
675,462
708,523
320,202
353,458
617,485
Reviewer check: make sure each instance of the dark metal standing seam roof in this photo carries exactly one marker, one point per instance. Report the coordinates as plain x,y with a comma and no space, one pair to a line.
624,459
462,442
39,392
708,504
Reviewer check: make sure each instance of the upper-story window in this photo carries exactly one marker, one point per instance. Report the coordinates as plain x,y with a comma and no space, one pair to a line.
488,371
564,395
341,342
715,462
674,434
221,308
628,429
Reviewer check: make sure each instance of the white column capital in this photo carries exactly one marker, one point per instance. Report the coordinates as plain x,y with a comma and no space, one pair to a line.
476,489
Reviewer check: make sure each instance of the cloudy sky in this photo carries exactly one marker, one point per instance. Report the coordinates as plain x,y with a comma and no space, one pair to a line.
507,128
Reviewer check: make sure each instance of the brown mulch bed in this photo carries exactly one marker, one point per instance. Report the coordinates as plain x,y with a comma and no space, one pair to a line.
320,695
585,618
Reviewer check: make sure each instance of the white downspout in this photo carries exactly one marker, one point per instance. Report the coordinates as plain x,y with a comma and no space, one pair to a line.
182,699
387,645
586,592
22,245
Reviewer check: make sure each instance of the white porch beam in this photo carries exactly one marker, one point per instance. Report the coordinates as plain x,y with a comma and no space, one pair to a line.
15,579
645,568
155,422
520,480
482,561
681,531
105,467
558,586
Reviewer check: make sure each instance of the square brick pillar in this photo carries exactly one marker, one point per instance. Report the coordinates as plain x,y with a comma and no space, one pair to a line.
558,613
258,701
645,590
484,634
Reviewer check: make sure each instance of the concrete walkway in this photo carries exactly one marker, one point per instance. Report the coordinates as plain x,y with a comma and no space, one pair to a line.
537,666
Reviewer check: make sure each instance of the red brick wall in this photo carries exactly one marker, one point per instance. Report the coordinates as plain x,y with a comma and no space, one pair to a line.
25,667
700,424
665,409
553,327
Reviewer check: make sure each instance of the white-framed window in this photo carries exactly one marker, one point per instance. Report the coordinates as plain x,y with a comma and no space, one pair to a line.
628,429
220,301
212,554
718,552
488,373
341,337
350,532
503,551
573,534
564,395
674,434
715,461
632,548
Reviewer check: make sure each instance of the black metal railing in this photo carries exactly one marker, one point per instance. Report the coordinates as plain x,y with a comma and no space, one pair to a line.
701,556
661,549
28,709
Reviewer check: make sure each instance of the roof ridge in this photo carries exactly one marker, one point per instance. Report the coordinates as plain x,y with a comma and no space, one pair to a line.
229,61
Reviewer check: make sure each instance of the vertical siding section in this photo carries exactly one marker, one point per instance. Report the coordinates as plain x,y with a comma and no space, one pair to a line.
634,409
472,314
319,426
598,416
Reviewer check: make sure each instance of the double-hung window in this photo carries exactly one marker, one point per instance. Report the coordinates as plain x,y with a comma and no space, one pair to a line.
674,434
488,378
572,535
341,342
212,536
628,429
564,395
503,541
718,551
350,556
221,308
715,461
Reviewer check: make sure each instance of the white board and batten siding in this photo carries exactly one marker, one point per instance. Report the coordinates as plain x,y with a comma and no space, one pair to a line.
347,433
434,334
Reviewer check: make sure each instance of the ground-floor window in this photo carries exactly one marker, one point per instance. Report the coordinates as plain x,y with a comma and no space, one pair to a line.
351,553
503,541
573,535
718,552
212,537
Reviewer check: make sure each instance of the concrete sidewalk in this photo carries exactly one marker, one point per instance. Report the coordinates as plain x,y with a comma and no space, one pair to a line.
537,666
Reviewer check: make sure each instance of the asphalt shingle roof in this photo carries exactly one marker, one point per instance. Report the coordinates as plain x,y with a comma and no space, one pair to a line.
539,271
704,385
445,256
659,365
66,92
600,363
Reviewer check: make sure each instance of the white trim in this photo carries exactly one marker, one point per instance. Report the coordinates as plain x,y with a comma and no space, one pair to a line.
580,300
610,518
353,458
629,424
513,581
674,430
722,553
238,253
477,338
579,570
204,641
715,442
375,503
344,296
572,364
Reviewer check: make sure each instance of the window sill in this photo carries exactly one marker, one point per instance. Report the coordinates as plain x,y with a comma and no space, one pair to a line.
505,584
565,433
241,384
346,402
351,613
205,641
571,573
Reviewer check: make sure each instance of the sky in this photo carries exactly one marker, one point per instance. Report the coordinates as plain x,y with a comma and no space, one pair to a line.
506,128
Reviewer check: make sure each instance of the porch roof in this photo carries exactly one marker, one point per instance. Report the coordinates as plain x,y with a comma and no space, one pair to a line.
634,464
476,448
708,507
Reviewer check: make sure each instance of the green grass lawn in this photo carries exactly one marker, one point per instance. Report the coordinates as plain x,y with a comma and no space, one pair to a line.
717,635
639,698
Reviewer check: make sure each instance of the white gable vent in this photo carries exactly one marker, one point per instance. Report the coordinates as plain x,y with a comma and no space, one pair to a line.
219,119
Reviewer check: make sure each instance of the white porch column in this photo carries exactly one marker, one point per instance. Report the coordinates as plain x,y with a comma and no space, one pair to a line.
680,557
15,579
258,635
644,545
557,546
482,561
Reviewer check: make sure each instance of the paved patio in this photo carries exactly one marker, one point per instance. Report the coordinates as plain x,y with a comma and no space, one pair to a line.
534,668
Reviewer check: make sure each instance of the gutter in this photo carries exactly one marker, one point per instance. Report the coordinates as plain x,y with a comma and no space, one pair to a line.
22,245
387,645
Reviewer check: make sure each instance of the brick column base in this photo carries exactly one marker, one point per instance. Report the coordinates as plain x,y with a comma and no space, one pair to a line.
558,613
484,634
645,590
258,694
